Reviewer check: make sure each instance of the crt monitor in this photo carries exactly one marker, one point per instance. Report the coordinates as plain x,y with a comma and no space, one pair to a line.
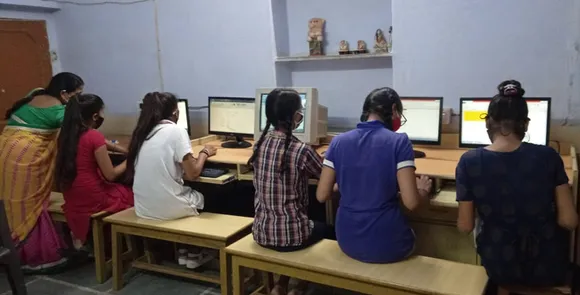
232,116
314,125
422,117
472,130
183,120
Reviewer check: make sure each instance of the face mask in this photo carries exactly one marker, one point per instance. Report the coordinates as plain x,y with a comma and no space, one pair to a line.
396,124
99,122
299,120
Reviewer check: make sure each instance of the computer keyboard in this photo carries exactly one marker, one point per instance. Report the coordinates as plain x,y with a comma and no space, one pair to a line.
213,172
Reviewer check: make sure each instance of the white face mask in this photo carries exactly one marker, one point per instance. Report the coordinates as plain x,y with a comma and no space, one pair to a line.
298,119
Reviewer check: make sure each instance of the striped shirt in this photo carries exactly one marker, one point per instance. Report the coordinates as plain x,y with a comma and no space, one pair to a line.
281,200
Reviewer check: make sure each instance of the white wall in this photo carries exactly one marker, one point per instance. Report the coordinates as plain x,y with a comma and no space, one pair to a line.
206,48
456,48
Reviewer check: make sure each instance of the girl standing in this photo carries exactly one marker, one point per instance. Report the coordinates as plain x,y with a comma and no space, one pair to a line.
27,150
85,173
282,166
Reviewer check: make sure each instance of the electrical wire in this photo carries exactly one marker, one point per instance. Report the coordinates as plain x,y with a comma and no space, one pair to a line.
97,3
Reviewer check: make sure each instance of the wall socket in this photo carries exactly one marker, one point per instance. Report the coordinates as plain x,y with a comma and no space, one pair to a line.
446,116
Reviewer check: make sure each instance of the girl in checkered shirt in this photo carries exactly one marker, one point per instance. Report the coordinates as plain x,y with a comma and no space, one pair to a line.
282,167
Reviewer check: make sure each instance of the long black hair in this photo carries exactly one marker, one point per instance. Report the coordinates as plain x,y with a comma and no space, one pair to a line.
67,82
156,106
380,102
281,106
508,111
78,117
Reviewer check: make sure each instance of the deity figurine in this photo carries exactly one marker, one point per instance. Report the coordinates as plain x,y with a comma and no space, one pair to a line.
316,36
343,48
361,47
381,45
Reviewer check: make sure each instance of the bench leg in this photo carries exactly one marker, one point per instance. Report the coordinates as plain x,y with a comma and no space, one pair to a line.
99,251
149,254
237,278
224,272
117,259
267,281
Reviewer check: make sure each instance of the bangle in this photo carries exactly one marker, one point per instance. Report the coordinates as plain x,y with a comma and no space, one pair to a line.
204,151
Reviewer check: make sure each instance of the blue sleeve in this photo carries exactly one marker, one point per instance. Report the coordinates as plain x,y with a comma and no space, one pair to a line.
330,155
560,176
404,152
462,186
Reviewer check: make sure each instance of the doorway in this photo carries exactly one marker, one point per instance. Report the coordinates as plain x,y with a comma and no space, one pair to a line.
24,62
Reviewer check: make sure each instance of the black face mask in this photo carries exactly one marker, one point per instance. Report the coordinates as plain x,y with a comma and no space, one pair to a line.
99,122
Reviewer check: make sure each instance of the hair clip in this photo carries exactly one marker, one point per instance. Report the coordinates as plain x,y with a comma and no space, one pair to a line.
510,88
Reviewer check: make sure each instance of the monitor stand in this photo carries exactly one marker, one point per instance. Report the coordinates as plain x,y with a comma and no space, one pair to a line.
240,143
419,154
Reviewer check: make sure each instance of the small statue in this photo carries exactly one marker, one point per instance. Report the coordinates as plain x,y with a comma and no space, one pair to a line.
316,36
381,45
343,48
361,47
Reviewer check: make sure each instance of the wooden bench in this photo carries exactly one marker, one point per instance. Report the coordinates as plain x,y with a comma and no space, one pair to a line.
103,266
208,230
325,263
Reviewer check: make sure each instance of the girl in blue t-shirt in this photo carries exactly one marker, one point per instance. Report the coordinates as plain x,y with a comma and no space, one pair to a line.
370,165
521,195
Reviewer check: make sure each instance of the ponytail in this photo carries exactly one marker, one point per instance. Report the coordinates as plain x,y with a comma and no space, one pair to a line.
285,156
156,107
68,141
257,147
23,101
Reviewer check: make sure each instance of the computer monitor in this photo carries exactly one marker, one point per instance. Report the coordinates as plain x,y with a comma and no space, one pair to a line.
472,130
183,120
423,120
315,123
232,116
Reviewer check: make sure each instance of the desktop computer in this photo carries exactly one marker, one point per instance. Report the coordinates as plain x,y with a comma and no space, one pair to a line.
232,116
423,120
183,120
315,123
472,130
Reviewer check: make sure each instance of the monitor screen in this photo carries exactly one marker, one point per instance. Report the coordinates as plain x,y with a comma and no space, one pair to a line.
231,115
183,120
423,116
473,132
263,118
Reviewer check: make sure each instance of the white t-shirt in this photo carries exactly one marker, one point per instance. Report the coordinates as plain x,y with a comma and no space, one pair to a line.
158,183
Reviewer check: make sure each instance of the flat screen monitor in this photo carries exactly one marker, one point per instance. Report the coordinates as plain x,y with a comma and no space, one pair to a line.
314,125
473,132
183,120
232,116
423,119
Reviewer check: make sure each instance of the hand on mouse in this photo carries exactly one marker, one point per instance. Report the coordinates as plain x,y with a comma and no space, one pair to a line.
424,184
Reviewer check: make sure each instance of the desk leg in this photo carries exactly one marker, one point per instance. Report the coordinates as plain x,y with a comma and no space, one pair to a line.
225,264
237,278
117,259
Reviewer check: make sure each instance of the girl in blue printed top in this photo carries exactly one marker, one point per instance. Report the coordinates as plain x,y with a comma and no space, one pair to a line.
520,193
370,165
282,166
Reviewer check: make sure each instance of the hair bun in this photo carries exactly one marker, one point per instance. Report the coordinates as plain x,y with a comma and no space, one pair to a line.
511,88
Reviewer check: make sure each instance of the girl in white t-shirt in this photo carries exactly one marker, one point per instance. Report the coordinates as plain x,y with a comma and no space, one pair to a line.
159,158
